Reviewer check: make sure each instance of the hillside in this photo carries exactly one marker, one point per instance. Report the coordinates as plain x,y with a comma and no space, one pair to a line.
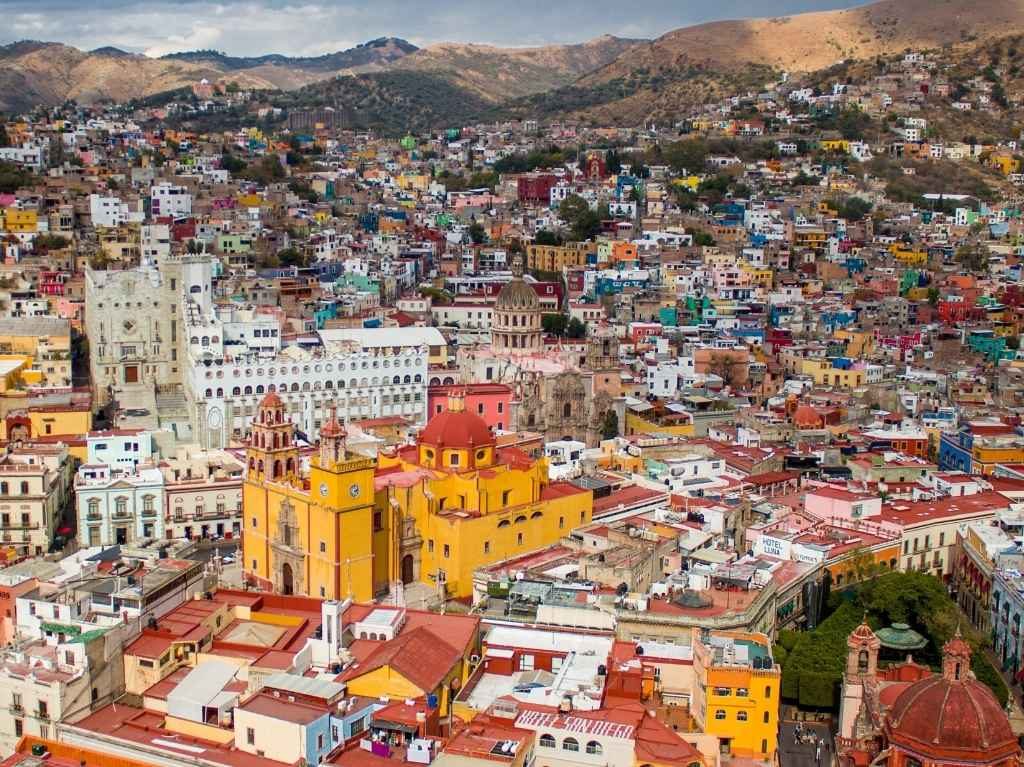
498,74
34,73
393,102
690,64
375,53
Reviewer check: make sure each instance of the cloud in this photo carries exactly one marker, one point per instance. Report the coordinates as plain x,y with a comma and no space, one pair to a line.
199,38
306,27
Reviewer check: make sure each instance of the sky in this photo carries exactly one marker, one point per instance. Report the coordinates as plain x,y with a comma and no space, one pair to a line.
313,27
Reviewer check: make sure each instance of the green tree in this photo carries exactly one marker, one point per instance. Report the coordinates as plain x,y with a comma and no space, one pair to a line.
554,324
477,233
291,257
13,178
973,256
610,425
583,222
576,328
689,156
854,208
612,162
231,163
547,237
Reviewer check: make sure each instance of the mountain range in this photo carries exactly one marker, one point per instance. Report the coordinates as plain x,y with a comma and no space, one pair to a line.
609,79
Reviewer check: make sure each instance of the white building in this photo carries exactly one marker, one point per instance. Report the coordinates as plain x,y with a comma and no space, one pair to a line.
118,507
170,200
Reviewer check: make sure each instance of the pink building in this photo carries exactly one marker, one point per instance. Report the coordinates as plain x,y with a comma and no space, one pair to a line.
490,401
834,504
9,594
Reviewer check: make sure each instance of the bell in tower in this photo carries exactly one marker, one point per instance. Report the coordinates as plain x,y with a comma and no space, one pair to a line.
332,441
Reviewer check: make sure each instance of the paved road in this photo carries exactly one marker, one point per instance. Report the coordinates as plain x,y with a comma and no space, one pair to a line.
794,753
206,553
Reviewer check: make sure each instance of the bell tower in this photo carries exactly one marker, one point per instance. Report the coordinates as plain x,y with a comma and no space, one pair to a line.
862,652
272,455
956,659
332,441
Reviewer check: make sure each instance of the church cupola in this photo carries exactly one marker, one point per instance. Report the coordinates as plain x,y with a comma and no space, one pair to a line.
956,659
862,651
332,441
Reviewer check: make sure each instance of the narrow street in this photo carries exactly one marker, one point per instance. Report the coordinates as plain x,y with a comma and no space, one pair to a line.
804,743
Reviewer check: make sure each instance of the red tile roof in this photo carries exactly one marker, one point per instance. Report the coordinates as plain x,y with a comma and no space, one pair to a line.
419,655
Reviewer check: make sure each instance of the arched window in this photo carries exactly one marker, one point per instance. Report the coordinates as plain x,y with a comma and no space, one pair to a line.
209,392
24,488
547,741
520,519
407,379
4,488
396,380
862,661
593,747
570,744
741,716
537,515
417,378
504,523
720,713
220,392
567,410
259,389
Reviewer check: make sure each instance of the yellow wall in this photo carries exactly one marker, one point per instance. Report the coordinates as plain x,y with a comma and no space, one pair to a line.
60,422
21,221
752,736
472,519
637,425
335,518
198,730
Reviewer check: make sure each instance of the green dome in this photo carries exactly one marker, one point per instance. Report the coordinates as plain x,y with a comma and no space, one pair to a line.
899,636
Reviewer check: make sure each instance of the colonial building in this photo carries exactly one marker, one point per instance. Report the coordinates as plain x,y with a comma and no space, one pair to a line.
119,506
35,484
557,391
909,716
428,513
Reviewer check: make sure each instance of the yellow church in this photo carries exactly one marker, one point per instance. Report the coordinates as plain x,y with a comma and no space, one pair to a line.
431,512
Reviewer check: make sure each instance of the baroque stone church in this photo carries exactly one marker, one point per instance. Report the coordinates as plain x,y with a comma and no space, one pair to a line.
558,391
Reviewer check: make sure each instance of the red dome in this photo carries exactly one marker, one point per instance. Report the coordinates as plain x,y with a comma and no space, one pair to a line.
456,429
806,415
271,400
945,719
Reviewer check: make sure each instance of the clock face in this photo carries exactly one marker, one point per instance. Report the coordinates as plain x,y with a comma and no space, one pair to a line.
323,489
354,491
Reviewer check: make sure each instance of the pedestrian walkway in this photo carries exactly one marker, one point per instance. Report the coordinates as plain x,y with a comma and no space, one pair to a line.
805,744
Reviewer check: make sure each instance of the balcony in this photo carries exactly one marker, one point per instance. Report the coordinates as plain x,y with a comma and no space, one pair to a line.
19,525
16,709
43,716
148,513
94,516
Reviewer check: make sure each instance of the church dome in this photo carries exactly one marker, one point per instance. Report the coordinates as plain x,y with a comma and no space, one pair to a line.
517,296
271,400
456,429
951,715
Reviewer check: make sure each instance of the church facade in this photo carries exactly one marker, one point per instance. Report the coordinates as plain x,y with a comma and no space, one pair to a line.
432,512
558,392
905,715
